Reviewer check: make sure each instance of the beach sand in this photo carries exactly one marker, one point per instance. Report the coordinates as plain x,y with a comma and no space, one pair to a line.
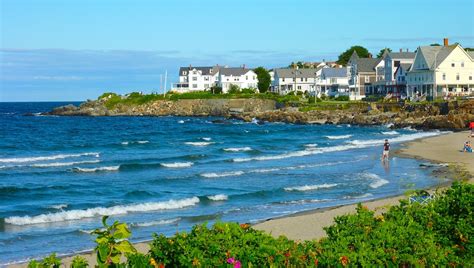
309,225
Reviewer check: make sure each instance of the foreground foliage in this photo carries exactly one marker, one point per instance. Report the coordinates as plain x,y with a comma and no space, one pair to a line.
434,233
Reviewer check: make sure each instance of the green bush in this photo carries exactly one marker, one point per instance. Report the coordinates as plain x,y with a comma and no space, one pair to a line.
233,89
341,98
216,90
79,262
248,91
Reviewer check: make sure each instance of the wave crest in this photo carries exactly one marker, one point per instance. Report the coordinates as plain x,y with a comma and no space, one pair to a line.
198,143
238,149
177,164
305,188
223,174
218,197
340,137
45,158
97,169
101,211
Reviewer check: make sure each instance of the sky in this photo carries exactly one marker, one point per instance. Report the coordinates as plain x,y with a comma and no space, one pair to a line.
58,50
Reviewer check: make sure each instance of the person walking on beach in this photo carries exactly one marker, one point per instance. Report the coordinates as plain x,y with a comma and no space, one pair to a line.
386,149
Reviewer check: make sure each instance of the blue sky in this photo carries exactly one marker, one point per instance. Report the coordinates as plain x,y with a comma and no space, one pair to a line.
74,50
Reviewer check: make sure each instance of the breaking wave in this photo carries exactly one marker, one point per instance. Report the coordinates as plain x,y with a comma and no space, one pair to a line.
198,143
218,197
403,138
63,164
177,164
238,149
45,158
390,132
376,180
206,139
223,174
340,137
101,211
154,223
134,142
311,187
97,169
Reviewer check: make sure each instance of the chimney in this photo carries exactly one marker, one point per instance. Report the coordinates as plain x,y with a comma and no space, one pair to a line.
407,50
243,66
446,42
401,50
369,56
190,67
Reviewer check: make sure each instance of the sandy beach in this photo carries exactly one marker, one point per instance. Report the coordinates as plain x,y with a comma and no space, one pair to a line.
309,225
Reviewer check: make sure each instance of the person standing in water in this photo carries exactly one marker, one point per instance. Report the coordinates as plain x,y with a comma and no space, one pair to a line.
386,150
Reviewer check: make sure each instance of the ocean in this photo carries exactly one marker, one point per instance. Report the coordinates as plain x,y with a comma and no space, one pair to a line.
60,175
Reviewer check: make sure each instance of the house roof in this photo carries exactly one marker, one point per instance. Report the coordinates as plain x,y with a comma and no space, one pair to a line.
435,55
471,54
204,70
233,71
298,73
403,66
334,72
367,64
402,55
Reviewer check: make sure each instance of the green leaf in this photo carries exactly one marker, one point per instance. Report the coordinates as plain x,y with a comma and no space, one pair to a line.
102,253
125,247
121,231
104,221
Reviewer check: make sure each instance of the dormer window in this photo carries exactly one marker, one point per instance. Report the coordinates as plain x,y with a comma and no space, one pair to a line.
185,73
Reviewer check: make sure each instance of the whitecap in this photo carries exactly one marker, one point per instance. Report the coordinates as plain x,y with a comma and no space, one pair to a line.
181,122
206,139
376,180
97,169
311,145
177,164
390,132
63,164
45,158
134,142
198,143
59,207
238,149
154,223
218,197
223,174
78,214
402,138
340,137
311,187
389,125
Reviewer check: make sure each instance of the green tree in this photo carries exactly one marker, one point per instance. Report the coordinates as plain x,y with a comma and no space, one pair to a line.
346,55
264,79
234,89
435,45
383,51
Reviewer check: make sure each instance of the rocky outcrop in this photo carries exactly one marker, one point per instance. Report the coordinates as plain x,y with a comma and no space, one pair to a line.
193,107
429,116
450,115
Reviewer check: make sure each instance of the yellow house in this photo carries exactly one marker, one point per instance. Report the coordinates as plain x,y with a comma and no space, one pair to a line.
441,71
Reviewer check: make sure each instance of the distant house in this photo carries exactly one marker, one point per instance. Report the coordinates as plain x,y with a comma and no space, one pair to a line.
363,75
333,82
293,80
398,87
239,76
196,78
440,71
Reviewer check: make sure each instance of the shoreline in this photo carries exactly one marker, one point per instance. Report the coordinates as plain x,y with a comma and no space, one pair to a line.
309,224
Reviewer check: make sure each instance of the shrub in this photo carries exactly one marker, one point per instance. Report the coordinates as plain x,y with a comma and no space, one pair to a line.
79,262
342,98
49,262
112,242
234,89
216,90
248,91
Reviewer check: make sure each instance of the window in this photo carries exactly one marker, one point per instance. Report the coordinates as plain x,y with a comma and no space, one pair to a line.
457,76
195,85
254,78
367,79
194,72
299,87
396,63
185,73
283,79
444,76
462,64
470,77
206,78
453,65
246,77
195,78
333,80
294,79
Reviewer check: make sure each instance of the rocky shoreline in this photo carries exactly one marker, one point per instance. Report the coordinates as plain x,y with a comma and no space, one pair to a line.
444,116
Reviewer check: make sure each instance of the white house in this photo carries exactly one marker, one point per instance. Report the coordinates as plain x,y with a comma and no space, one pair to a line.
196,78
440,71
333,82
287,80
240,76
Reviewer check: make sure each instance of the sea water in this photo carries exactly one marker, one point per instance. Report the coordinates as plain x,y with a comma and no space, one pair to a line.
60,175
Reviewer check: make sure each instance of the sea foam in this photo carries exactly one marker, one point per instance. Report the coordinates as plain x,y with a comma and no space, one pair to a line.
101,211
311,187
45,158
218,197
97,169
376,180
223,174
340,137
177,164
390,133
63,164
238,149
198,143
154,223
